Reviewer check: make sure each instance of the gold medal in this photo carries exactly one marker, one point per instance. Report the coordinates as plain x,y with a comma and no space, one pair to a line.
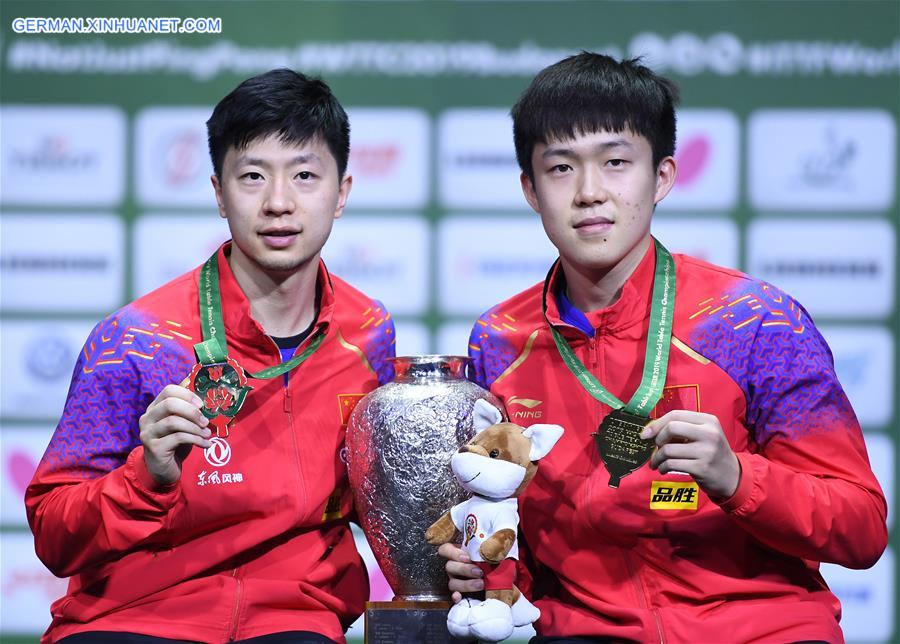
620,444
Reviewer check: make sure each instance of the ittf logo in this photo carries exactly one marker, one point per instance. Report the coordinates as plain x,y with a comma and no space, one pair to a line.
669,495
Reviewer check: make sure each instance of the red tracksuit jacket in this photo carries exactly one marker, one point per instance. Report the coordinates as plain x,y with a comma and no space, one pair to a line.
253,539
657,559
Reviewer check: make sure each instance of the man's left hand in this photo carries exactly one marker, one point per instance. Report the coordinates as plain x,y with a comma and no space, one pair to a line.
694,443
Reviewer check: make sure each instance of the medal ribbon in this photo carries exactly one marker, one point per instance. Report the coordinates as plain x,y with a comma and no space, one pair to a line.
656,358
214,348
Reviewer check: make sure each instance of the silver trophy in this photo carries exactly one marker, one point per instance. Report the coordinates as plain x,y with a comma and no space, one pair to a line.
400,439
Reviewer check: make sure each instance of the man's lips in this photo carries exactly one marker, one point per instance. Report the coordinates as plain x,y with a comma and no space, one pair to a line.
594,224
279,238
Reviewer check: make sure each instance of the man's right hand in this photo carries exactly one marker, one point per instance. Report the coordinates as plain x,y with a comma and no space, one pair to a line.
170,426
465,577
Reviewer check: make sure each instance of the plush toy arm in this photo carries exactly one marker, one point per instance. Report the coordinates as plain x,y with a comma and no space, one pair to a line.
498,545
441,531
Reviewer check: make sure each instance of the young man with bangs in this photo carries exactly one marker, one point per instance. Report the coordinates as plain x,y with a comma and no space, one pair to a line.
711,458
193,490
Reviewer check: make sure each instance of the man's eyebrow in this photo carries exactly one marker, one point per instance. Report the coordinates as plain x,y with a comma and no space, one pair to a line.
297,160
563,151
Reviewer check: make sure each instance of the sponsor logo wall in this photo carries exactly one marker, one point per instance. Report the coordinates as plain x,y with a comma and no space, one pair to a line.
365,251
164,246
864,363
104,202
172,164
840,268
62,262
715,240
822,160
478,167
390,158
38,358
867,598
483,260
63,156
27,586
708,157
21,448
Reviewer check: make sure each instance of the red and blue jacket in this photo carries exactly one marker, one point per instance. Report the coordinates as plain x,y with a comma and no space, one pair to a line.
657,559
254,538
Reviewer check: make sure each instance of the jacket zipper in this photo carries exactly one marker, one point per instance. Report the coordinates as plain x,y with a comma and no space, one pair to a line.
237,605
287,406
301,489
642,594
638,582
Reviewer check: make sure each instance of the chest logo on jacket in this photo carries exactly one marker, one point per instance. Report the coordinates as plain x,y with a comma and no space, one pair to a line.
346,404
219,453
677,397
526,408
674,495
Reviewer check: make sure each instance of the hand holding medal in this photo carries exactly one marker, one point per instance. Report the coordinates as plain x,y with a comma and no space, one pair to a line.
694,443
171,426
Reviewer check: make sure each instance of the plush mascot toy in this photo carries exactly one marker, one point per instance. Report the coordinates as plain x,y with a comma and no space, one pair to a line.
495,466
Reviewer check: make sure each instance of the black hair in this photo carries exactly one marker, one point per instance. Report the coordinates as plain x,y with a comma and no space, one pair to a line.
283,102
589,92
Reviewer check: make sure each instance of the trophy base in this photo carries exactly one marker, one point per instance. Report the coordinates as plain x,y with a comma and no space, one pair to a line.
408,622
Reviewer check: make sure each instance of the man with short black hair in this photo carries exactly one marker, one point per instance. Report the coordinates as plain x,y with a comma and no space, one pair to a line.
711,458
245,538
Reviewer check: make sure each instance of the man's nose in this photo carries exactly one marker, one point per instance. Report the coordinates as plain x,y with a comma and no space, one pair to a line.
591,188
279,199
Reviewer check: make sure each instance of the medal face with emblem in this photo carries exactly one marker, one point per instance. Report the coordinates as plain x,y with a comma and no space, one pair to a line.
620,445
222,387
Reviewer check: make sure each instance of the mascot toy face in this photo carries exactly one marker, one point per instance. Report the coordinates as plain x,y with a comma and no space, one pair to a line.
500,460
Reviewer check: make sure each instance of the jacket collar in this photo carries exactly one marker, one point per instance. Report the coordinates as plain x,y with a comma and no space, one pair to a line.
240,326
632,307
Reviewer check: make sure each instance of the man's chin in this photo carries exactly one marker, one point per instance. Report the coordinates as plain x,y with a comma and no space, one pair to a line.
282,266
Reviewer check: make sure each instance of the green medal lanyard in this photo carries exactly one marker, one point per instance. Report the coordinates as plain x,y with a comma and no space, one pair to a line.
656,359
218,380
214,350
618,437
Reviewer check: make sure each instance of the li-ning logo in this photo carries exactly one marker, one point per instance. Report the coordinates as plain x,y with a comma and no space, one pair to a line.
219,453
671,495
529,411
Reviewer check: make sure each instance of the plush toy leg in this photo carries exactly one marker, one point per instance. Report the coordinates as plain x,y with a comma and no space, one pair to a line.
524,612
491,621
458,618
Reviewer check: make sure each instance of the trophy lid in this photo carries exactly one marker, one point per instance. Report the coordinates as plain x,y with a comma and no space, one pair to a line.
440,367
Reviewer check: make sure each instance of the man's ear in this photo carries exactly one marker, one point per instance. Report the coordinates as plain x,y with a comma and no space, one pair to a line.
529,192
666,172
217,187
343,193
484,414
543,438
